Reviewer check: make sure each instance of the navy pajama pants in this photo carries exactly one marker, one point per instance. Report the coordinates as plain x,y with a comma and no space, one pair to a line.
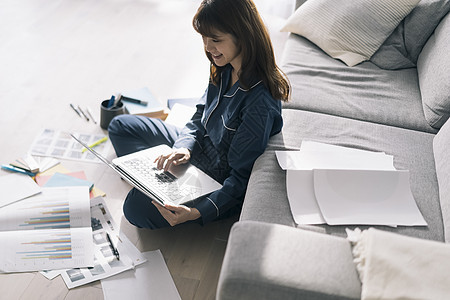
131,133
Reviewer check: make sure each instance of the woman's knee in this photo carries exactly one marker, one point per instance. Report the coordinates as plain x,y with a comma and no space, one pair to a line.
129,213
140,212
118,124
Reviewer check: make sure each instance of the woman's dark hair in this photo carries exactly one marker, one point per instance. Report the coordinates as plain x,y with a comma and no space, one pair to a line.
241,19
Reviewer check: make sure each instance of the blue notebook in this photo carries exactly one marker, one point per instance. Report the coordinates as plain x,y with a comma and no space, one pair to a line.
143,94
60,179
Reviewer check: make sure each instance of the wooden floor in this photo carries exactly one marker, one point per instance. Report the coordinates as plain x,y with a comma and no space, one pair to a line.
57,52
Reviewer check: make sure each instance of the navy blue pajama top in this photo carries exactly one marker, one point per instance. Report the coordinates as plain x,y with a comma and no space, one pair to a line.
228,132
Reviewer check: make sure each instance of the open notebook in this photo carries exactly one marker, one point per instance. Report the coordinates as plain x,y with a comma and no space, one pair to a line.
179,185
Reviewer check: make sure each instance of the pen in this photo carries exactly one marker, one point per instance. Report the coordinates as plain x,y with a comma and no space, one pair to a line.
85,116
117,100
96,143
14,169
142,102
111,101
91,115
113,249
75,110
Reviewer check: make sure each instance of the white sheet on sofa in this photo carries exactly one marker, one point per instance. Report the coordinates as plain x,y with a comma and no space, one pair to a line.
394,266
314,155
370,197
300,167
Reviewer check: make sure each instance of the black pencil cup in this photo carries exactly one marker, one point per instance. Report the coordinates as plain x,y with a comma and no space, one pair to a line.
108,113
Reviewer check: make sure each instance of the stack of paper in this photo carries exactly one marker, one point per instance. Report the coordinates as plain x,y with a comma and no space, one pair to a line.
340,186
59,228
105,264
51,230
61,176
142,102
31,165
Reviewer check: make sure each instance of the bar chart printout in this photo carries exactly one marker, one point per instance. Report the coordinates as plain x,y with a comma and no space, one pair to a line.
54,208
36,250
49,231
53,215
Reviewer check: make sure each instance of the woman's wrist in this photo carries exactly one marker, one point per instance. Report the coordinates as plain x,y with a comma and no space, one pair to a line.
195,213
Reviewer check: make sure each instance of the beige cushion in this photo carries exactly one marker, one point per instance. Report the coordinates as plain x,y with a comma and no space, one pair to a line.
349,30
394,266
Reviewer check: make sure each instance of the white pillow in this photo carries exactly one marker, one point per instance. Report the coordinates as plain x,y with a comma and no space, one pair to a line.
395,266
349,30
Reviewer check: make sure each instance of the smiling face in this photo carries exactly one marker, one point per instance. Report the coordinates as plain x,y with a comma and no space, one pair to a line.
223,50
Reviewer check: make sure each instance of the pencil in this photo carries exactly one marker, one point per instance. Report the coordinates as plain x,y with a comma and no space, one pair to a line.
82,112
91,114
75,110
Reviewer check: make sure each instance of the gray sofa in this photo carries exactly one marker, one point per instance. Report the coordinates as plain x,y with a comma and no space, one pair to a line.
403,112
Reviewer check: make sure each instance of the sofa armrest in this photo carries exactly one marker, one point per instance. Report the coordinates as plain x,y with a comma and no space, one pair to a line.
271,261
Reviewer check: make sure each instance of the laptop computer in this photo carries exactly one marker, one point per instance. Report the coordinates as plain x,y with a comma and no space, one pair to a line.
179,185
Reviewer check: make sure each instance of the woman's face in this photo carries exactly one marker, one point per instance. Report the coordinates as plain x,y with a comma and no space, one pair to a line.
223,49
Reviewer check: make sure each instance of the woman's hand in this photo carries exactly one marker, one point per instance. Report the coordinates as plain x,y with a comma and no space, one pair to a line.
177,214
176,157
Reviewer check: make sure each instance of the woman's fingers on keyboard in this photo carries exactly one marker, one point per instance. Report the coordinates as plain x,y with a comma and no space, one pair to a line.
159,162
176,157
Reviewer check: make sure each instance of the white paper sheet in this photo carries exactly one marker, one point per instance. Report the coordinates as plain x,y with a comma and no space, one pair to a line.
105,264
54,208
370,197
15,187
58,143
150,280
314,155
47,231
35,250
180,114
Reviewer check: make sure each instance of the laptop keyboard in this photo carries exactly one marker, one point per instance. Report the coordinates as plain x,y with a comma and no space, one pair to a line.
163,182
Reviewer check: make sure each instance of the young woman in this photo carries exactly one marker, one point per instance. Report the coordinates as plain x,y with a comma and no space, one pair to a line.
239,111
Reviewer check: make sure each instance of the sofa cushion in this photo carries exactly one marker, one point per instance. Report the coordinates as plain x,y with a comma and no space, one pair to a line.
269,261
266,197
365,92
433,68
348,30
441,146
402,48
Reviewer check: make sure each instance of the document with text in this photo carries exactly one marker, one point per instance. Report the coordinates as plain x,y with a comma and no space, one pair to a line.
51,230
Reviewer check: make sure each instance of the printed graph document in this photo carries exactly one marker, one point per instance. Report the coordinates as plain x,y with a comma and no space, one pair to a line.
315,155
106,263
15,187
150,280
352,197
60,144
51,230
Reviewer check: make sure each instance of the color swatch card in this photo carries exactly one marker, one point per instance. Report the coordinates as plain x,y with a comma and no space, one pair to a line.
60,179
